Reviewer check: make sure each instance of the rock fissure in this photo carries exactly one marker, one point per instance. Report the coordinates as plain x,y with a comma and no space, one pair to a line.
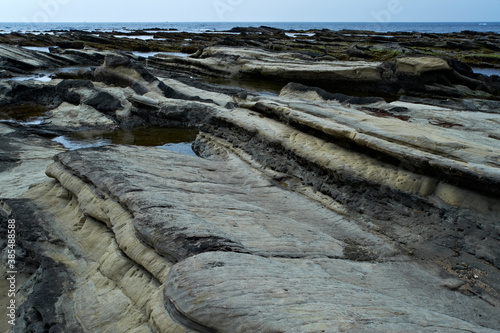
184,319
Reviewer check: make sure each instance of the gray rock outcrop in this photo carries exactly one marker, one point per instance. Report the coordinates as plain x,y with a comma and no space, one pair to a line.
230,252
416,75
305,211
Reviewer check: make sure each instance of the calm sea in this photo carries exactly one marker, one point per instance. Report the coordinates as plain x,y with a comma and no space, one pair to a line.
221,26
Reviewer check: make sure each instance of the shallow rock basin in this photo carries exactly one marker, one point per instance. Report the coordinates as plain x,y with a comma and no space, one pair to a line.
23,114
173,139
486,71
38,48
152,54
262,88
46,75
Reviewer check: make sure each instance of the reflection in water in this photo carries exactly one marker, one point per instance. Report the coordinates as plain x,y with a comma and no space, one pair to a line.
141,37
182,148
152,54
23,114
46,75
174,139
260,87
486,71
37,48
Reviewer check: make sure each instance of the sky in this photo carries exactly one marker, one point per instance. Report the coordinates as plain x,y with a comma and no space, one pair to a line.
37,11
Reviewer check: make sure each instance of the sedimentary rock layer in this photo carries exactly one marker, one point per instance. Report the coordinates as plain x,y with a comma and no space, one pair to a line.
248,255
307,211
241,293
419,75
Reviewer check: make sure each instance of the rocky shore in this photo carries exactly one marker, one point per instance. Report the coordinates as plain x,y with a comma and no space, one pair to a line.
340,181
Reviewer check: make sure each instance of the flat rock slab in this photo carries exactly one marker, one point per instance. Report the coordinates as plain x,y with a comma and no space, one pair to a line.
231,292
253,256
186,205
230,62
27,59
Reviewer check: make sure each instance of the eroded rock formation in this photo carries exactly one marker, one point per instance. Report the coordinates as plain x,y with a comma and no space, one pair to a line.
305,211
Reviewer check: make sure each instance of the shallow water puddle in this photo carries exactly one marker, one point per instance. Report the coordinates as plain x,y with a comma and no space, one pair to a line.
263,88
23,114
152,54
486,71
45,49
299,34
141,37
46,75
173,139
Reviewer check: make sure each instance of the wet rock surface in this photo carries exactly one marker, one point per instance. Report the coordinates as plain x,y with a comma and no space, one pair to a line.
352,187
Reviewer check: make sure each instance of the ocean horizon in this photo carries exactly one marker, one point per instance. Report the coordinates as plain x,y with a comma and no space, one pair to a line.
422,27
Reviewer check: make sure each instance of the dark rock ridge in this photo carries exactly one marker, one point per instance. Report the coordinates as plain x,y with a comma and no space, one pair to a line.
413,76
472,47
307,210
18,60
51,281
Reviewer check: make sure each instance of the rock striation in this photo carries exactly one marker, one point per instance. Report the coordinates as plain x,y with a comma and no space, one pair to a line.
18,60
192,235
416,75
474,48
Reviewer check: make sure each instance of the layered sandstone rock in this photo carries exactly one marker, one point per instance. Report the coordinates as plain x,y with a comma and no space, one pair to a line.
230,251
19,60
306,211
417,75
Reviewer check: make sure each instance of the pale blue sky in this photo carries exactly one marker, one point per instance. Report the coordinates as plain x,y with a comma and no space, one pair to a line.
249,10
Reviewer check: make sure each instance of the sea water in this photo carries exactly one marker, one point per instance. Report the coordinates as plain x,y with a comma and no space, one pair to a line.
200,27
